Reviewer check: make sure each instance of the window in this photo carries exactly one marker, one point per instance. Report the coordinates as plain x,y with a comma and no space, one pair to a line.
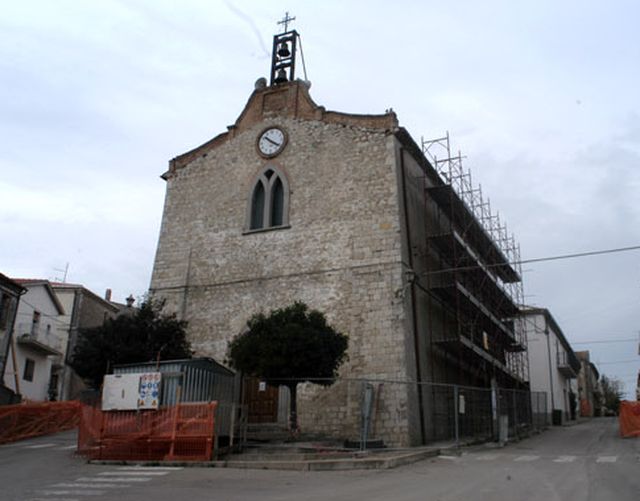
5,307
35,323
269,201
29,369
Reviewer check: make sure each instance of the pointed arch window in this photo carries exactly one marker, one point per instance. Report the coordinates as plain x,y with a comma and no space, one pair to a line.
268,201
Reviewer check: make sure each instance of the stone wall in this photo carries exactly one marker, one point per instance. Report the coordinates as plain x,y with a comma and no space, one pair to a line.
341,253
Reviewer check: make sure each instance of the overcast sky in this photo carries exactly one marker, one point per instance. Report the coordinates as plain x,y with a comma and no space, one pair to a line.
541,96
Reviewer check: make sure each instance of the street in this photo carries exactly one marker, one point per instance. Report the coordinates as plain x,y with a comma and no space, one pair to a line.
587,461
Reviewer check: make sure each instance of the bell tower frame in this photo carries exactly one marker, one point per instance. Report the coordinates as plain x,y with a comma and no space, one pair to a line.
283,54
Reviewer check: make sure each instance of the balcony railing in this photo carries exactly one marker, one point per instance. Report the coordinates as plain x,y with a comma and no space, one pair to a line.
564,366
28,332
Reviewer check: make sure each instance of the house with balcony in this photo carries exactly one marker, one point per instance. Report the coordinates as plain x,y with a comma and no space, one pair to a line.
36,353
552,362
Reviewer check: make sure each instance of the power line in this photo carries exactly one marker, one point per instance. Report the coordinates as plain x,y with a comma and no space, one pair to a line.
618,362
52,317
630,340
580,254
538,259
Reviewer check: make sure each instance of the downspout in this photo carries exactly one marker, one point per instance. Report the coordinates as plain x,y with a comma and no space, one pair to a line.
414,319
183,309
546,331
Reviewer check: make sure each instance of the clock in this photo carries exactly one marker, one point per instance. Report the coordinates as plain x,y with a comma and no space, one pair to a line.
271,142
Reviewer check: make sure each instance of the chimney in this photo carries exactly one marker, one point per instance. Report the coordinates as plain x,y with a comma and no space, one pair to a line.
130,301
107,295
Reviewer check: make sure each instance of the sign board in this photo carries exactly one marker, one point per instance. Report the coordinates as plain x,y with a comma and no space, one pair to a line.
127,392
120,392
462,408
149,393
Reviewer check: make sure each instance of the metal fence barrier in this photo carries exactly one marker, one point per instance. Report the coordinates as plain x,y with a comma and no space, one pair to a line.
456,413
372,412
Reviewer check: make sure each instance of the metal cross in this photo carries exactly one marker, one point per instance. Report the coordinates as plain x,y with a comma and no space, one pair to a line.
286,21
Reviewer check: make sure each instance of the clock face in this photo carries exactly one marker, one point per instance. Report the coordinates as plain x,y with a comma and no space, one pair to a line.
271,142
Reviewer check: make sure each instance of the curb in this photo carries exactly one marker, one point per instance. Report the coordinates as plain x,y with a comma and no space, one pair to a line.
367,463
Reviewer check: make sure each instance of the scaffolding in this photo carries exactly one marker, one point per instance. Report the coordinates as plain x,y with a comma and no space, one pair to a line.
479,273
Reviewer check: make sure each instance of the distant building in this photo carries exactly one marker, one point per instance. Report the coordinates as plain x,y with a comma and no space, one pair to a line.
83,309
10,293
49,319
552,362
589,391
34,367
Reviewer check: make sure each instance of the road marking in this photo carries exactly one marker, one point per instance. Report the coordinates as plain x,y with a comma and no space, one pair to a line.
523,459
450,458
101,485
607,459
56,499
113,479
565,459
73,493
149,473
19,443
487,457
151,468
38,446
68,447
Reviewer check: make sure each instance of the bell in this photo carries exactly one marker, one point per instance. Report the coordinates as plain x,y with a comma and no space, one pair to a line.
281,77
283,50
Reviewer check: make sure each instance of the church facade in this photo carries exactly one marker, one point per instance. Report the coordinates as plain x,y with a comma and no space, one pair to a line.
345,213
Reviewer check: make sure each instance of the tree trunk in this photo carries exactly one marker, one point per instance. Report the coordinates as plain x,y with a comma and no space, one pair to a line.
293,408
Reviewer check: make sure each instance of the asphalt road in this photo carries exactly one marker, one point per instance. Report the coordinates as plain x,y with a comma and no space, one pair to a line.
587,461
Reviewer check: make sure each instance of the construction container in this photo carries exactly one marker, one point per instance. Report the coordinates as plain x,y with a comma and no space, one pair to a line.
188,380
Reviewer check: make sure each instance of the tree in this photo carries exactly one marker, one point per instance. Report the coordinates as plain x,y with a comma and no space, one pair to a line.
144,336
287,347
612,392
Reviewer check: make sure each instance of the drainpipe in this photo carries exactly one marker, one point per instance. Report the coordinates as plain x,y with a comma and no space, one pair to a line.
546,332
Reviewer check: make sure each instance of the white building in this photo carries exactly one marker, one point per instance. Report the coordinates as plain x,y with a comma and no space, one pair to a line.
36,354
552,362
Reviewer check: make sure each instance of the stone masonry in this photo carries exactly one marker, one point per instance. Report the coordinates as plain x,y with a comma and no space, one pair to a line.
341,252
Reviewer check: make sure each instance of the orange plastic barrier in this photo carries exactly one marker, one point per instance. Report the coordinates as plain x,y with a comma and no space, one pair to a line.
183,432
629,418
21,421
585,408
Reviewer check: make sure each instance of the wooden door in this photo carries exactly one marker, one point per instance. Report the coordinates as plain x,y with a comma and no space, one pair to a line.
262,401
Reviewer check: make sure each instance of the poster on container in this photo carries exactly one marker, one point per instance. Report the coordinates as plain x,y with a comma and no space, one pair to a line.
120,392
149,390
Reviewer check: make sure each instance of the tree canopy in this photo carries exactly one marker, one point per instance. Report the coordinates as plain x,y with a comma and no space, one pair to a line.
612,392
289,346
144,336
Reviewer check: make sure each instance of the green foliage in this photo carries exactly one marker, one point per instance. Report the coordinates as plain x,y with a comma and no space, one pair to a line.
139,337
612,392
290,345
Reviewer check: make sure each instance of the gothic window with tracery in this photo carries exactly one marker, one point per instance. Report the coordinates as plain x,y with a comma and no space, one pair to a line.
269,201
